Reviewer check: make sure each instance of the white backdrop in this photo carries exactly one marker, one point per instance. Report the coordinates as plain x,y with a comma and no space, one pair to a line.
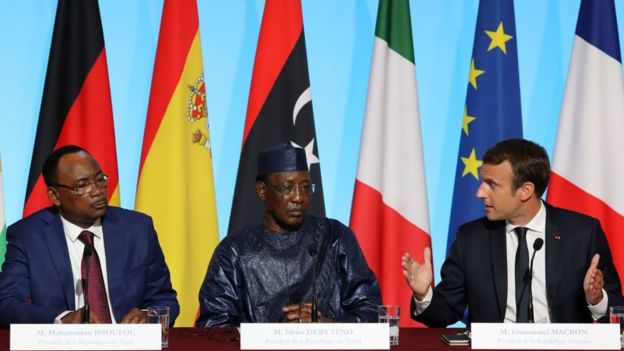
339,37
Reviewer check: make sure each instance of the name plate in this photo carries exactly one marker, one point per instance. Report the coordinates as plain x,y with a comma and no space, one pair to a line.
556,336
314,336
85,337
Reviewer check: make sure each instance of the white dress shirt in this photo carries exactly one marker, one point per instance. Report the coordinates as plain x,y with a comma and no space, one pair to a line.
536,229
76,248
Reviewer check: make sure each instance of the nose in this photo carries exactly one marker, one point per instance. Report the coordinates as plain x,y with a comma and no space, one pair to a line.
297,195
96,190
480,191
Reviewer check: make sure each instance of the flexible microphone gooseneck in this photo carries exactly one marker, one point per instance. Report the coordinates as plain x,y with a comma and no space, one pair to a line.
86,316
312,251
528,279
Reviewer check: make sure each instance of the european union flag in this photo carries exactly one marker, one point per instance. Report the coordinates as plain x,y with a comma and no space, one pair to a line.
492,110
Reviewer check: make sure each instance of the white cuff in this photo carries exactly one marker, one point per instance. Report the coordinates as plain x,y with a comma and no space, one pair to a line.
421,306
58,318
599,310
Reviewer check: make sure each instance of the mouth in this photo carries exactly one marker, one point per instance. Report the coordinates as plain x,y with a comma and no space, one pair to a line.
99,204
296,213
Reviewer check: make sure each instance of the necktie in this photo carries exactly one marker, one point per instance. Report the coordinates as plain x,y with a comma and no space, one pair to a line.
96,291
522,265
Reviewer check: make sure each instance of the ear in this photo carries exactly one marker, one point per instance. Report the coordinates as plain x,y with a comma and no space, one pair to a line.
261,189
526,191
53,195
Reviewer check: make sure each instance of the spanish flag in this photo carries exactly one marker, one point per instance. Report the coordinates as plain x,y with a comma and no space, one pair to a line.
76,105
175,183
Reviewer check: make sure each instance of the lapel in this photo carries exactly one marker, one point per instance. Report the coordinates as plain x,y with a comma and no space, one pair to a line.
554,248
113,245
54,236
499,267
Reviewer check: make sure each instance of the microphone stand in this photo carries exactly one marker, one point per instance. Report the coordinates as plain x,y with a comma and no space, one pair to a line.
314,316
537,245
86,316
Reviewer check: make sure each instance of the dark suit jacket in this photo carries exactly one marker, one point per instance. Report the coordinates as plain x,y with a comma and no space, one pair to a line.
36,282
475,272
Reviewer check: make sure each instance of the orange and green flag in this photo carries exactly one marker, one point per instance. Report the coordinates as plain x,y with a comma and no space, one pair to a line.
2,222
176,185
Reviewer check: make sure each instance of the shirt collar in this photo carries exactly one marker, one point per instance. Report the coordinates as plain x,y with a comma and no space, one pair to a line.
73,231
536,224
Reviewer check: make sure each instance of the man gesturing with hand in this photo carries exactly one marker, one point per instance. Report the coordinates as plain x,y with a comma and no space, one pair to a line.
487,272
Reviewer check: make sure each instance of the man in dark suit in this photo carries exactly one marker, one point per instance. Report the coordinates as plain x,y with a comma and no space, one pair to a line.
487,270
49,253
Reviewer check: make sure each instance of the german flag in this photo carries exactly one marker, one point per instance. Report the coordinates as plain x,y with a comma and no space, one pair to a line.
76,105
176,185
279,108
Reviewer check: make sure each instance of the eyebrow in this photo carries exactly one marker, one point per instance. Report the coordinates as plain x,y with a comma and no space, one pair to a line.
87,178
489,180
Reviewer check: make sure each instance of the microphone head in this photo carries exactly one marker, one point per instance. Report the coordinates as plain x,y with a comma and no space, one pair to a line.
312,250
537,244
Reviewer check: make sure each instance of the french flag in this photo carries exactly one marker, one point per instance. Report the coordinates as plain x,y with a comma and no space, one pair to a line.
588,164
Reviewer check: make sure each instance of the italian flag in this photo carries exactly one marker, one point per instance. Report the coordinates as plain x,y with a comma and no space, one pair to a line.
588,161
176,185
389,213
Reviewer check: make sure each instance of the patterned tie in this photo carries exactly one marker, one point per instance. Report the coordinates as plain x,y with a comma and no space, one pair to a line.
96,291
522,265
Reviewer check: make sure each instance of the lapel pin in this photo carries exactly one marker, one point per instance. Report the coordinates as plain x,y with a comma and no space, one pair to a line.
557,237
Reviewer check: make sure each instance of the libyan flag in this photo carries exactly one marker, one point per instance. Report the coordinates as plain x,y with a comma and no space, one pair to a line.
279,108
76,104
389,213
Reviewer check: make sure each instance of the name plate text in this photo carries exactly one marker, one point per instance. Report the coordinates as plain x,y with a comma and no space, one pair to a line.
85,337
310,336
556,336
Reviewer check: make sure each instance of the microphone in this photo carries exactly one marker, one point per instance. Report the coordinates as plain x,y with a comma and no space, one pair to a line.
528,278
88,250
312,251
86,316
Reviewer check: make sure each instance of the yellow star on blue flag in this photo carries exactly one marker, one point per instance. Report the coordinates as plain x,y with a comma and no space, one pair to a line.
498,38
466,121
474,73
471,164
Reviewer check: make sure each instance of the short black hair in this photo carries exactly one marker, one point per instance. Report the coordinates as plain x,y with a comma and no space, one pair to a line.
529,162
50,165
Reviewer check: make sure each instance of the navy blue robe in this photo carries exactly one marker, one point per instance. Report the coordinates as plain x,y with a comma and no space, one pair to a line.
254,272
